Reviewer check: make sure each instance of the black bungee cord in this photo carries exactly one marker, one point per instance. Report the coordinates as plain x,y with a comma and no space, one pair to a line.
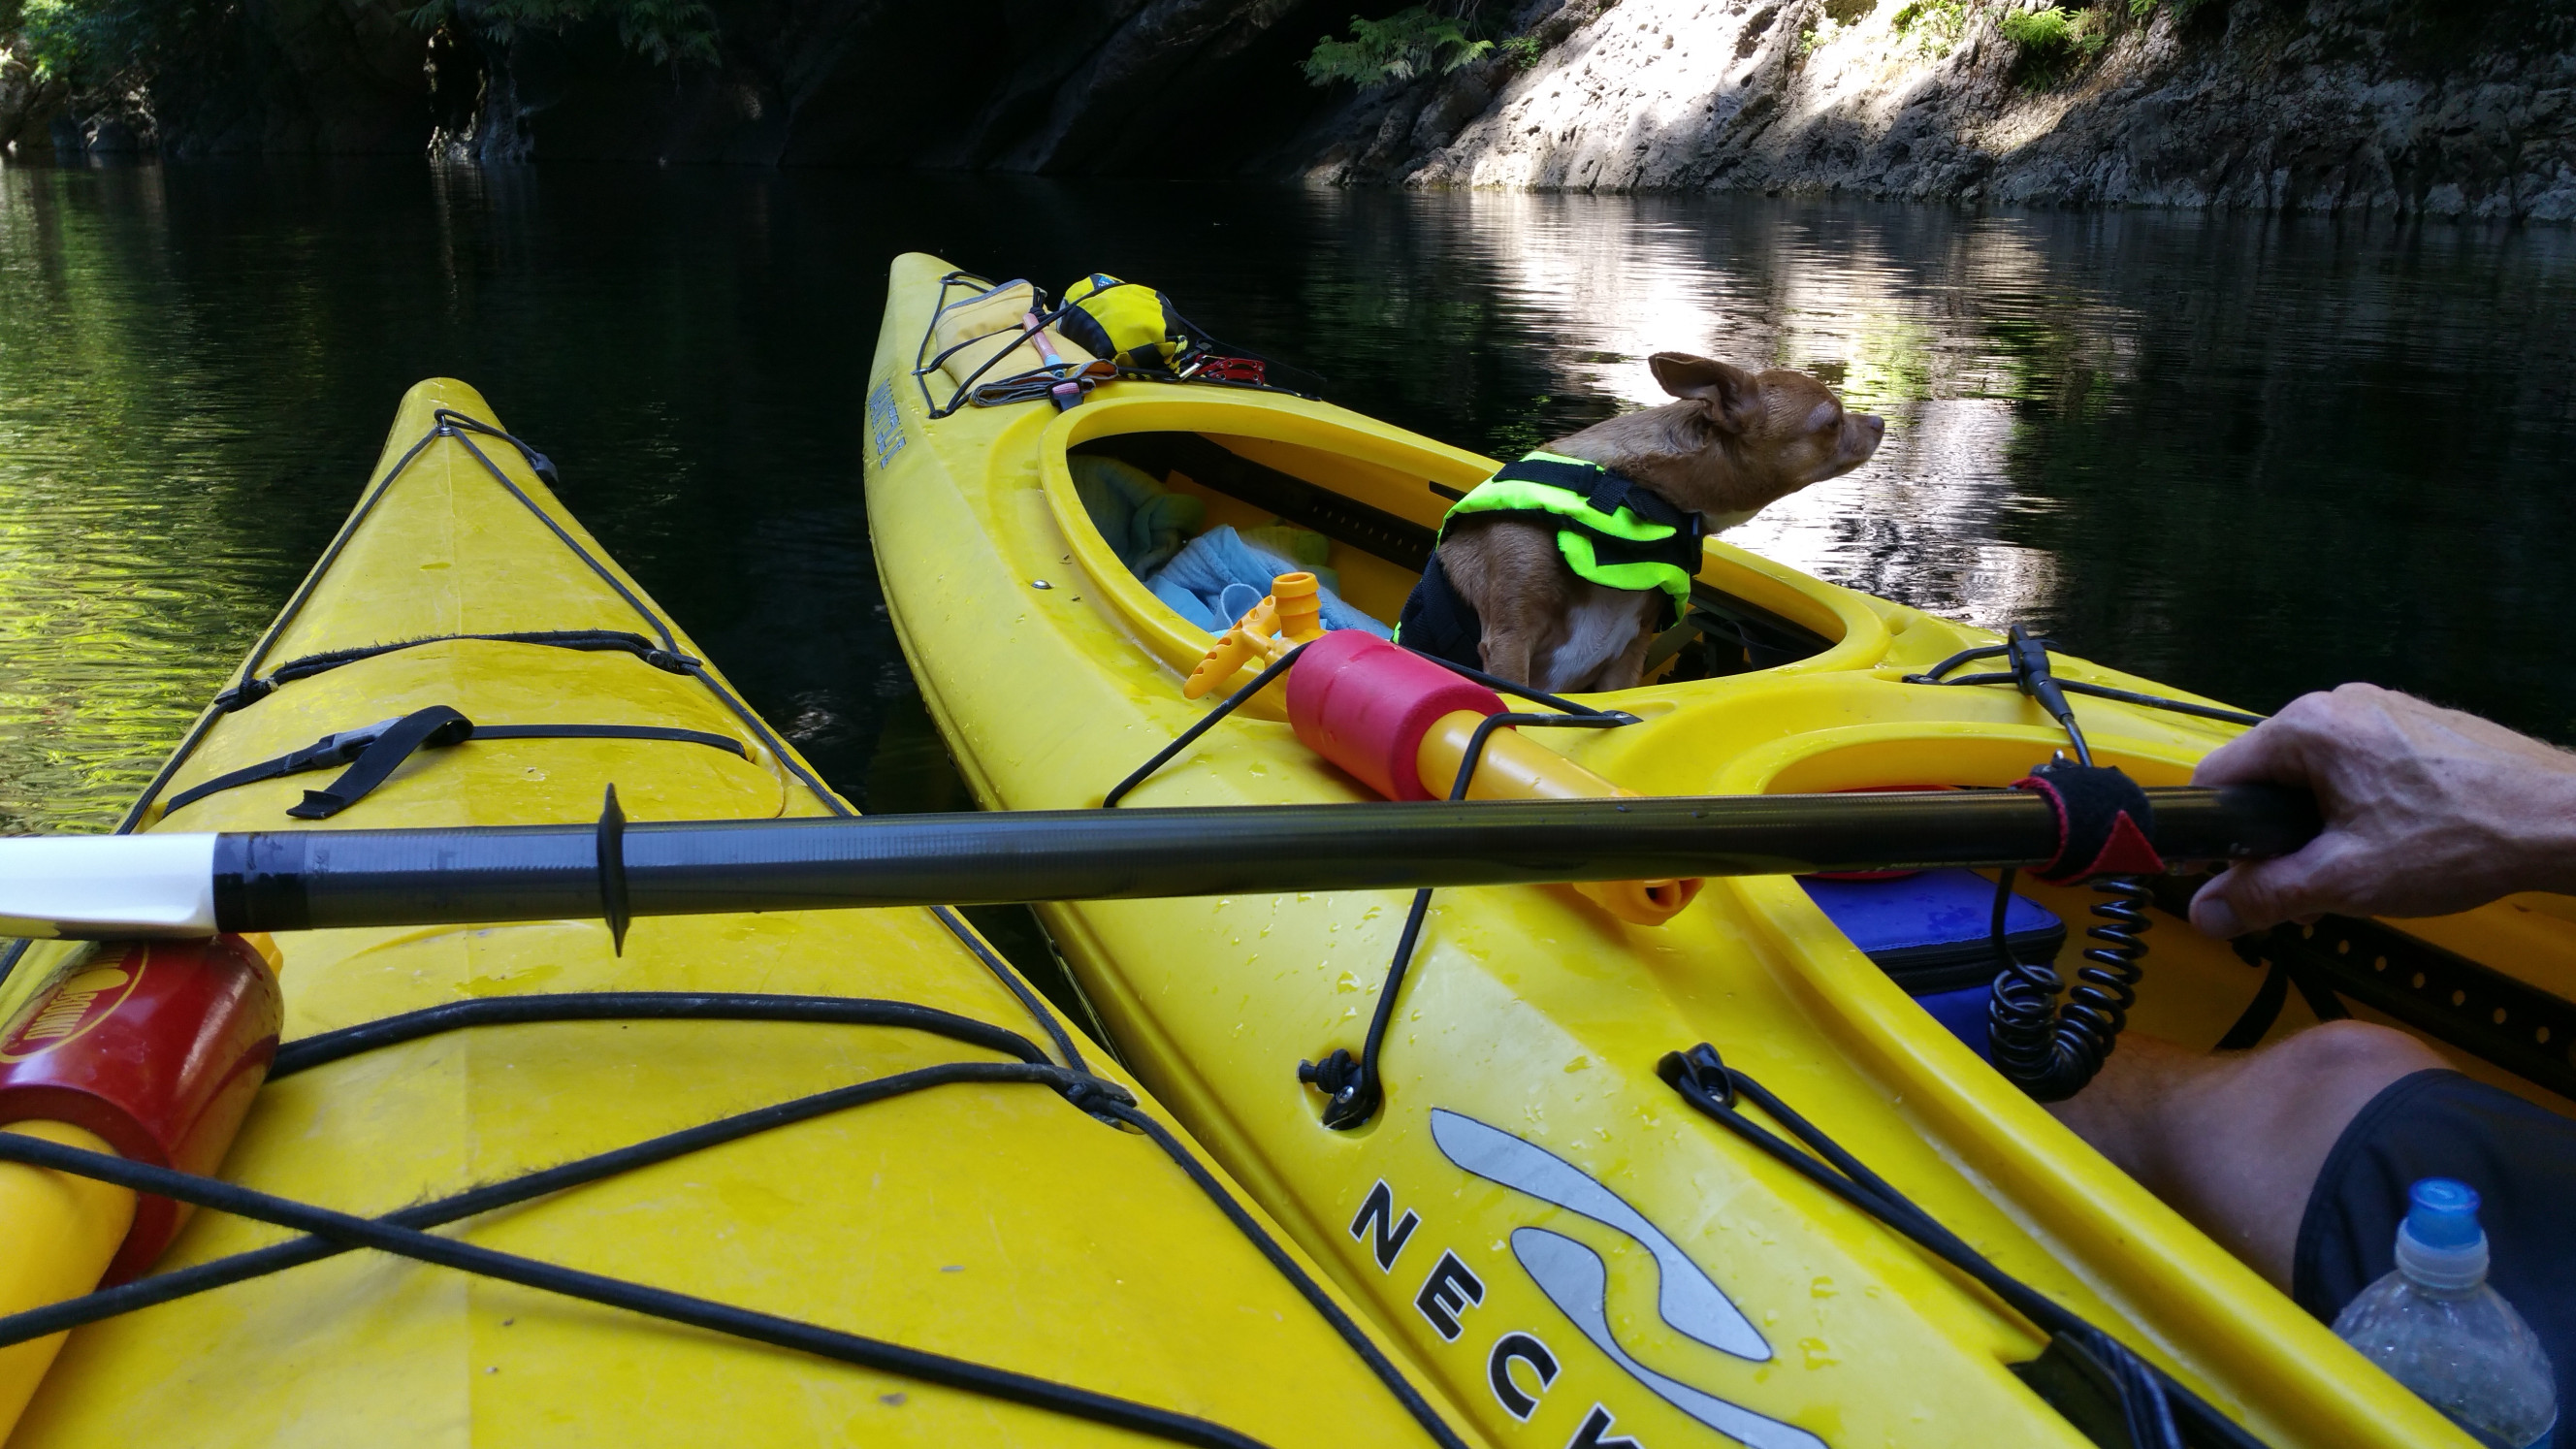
1038,384
1352,1086
2158,1412
404,1233
2022,650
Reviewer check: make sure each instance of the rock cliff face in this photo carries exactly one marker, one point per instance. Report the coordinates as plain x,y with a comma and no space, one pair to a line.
2419,107
2402,106
1156,87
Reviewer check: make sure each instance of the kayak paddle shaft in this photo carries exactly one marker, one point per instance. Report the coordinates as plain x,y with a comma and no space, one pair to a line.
314,879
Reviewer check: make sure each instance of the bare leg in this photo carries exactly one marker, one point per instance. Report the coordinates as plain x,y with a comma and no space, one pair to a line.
2234,1141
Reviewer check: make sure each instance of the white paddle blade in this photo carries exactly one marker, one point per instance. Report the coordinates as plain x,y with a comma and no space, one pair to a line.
107,887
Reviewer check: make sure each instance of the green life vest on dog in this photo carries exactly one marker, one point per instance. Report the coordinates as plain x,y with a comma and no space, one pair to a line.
1610,530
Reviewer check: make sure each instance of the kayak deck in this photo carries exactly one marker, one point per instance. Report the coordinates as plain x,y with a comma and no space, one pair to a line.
1018,1224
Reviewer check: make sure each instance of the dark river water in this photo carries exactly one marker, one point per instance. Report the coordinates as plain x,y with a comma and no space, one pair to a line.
2248,456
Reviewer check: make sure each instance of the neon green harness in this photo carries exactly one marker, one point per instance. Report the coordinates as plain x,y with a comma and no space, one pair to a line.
1610,531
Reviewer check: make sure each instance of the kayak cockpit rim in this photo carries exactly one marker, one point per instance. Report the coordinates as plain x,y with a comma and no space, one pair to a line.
1400,481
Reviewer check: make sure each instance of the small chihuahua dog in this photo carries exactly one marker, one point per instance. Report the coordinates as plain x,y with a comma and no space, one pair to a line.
1734,443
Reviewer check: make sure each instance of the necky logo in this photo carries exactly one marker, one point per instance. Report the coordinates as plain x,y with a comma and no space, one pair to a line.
1573,1279
885,423
1576,1282
1688,1301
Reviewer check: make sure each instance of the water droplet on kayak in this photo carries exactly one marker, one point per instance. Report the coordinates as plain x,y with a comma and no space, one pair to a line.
1040,584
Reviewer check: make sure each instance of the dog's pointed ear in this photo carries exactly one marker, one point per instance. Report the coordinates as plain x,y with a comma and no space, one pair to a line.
1728,394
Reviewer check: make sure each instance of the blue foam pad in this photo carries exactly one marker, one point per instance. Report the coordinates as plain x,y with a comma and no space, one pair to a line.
1931,932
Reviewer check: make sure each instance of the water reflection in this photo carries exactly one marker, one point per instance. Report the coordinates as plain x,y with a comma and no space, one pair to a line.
2248,456
1895,318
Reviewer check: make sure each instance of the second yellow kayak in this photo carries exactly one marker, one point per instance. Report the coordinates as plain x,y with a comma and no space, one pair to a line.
1544,1220
969,1225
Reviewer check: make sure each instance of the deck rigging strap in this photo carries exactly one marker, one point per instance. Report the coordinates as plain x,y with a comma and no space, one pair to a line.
1039,383
1352,1086
135,813
448,423
2158,1412
388,1237
373,752
2020,647
402,1233
251,690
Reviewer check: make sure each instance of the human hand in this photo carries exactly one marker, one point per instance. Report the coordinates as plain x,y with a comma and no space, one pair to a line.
2427,811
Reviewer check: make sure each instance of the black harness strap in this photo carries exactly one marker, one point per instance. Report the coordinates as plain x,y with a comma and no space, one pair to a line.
2265,1009
1607,490
374,752
252,691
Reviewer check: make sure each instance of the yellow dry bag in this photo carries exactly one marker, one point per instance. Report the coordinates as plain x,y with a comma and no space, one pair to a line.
1127,322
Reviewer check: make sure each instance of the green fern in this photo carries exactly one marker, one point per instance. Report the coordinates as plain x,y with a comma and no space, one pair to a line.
1409,43
2055,43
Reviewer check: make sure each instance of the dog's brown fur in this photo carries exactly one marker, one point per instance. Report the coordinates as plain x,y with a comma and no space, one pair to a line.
1736,442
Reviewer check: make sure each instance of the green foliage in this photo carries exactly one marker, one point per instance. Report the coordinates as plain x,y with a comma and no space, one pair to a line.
665,32
1932,28
2142,11
1411,42
89,42
2055,43
1521,50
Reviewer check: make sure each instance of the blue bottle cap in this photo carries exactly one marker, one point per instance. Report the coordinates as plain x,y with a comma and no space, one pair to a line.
2442,1213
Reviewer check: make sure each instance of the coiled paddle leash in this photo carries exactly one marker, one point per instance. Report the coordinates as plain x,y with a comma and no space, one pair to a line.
2105,827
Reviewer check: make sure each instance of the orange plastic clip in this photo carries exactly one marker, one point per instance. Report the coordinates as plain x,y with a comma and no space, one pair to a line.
1293,610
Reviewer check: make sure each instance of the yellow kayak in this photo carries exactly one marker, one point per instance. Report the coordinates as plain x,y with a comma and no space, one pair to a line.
982,1250
1577,1254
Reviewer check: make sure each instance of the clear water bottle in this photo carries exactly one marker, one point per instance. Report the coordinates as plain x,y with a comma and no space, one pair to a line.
2437,1328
